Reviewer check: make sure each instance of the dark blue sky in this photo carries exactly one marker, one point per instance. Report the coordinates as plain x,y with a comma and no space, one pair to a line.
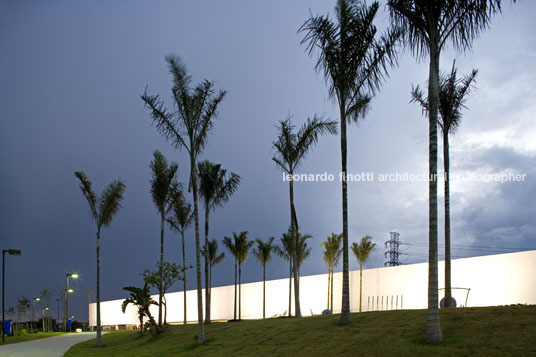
71,74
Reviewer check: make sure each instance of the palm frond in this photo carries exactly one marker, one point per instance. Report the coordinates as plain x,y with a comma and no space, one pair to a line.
110,202
89,194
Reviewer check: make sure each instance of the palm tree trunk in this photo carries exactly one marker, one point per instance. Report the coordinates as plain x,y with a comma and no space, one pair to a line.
99,327
184,281
345,306
446,163
235,292
151,319
164,303
290,288
332,268
264,291
207,293
360,285
295,231
209,284
239,290
160,286
329,278
201,339
433,328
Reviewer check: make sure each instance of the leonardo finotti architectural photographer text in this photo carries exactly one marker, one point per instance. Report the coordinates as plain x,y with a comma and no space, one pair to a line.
406,177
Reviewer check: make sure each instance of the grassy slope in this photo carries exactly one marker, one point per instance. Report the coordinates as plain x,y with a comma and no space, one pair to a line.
30,337
498,331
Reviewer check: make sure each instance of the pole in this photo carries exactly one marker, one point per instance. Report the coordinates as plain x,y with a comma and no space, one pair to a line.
11,252
66,308
33,314
3,296
58,320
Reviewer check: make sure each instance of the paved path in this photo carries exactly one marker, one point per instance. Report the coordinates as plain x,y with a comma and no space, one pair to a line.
45,347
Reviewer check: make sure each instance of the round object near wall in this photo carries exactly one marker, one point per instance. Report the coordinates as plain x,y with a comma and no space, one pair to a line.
447,302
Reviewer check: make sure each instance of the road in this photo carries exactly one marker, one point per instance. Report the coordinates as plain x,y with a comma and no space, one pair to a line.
45,347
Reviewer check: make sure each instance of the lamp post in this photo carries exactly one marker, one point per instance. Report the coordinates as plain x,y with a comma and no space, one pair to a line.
44,309
33,310
10,252
58,320
67,291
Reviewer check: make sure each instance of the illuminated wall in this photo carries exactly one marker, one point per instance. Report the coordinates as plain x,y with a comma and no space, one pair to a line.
494,280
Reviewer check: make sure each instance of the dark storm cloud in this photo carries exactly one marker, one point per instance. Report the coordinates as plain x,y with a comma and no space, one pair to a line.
72,73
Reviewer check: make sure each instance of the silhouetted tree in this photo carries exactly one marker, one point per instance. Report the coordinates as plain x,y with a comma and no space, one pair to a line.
290,151
188,127
354,63
102,209
427,26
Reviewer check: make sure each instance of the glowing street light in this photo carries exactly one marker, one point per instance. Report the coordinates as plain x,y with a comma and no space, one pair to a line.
67,291
44,309
33,310
16,252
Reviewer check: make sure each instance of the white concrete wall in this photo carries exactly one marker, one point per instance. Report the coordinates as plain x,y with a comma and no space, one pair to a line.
494,280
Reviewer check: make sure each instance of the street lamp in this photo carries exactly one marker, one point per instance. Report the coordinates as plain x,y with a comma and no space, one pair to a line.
44,309
58,320
10,252
33,311
67,291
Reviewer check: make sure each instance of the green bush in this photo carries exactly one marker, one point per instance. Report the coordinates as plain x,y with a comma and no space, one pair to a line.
22,332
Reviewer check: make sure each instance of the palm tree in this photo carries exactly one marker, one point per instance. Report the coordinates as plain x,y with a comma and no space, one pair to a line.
290,151
332,254
263,253
452,98
188,127
303,251
286,251
102,209
230,244
242,245
427,26
163,185
215,188
141,298
362,252
179,220
354,63
214,257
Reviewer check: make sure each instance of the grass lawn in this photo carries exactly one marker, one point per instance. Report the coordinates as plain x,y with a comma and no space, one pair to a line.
488,331
30,337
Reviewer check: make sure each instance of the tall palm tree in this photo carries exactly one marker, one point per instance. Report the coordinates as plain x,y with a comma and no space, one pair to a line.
102,209
242,245
286,251
141,298
214,257
188,127
427,27
163,185
452,98
263,253
354,63
230,245
362,253
332,254
215,188
290,151
179,220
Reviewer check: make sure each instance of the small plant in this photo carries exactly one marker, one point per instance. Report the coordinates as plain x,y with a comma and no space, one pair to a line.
22,332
